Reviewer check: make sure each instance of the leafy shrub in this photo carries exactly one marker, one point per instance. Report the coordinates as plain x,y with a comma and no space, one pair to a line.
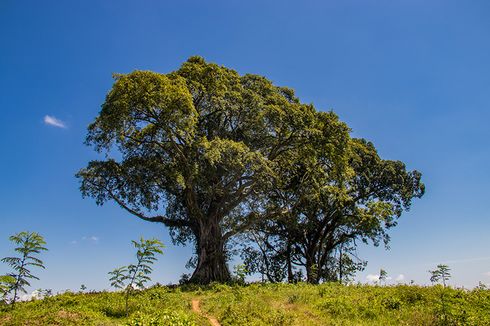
293,298
391,303
237,293
218,287
262,304
337,308
322,291
166,318
411,295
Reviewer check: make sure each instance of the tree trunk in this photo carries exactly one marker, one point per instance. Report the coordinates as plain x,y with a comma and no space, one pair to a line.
289,265
310,271
341,274
211,257
312,268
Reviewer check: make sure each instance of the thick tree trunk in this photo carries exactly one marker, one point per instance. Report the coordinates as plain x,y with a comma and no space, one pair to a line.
309,270
211,257
312,270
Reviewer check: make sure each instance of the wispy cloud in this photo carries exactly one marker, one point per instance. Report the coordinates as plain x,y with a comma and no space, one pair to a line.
487,274
52,121
86,239
372,278
92,239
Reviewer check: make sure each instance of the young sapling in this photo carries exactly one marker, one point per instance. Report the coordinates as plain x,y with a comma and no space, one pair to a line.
441,273
29,244
135,276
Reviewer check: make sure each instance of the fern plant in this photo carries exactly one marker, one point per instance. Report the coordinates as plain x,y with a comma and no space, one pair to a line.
29,244
135,276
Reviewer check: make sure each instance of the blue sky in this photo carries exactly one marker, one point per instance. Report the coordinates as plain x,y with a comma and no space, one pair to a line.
411,76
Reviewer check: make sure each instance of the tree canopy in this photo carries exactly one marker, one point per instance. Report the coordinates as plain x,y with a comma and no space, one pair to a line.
324,202
212,154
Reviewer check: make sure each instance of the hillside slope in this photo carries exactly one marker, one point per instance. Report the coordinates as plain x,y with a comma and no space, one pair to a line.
262,304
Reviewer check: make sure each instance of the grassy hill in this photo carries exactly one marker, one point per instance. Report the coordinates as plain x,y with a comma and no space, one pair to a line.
261,304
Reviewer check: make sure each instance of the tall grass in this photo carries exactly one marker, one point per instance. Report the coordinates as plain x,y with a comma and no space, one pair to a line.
262,304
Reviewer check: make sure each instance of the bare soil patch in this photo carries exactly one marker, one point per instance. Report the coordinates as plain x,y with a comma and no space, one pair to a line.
196,307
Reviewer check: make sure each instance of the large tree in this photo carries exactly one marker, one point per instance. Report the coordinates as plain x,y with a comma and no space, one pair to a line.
334,194
210,154
194,149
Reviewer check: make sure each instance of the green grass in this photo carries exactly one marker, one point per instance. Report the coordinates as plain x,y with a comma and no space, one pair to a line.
262,304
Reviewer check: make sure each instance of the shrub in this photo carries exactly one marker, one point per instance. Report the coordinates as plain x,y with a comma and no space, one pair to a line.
166,318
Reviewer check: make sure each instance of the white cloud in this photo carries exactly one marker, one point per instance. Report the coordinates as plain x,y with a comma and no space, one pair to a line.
136,287
73,242
372,278
92,239
34,295
52,121
400,278
487,274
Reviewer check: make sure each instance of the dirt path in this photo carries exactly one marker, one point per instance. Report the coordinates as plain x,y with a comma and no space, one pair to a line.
196,307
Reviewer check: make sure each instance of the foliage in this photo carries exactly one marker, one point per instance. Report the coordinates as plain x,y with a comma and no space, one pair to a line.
29,245
441,273
166,318
118,277
198,146
347,264
262,304
240,272
334,192
134,276
212,154
334,304
6,283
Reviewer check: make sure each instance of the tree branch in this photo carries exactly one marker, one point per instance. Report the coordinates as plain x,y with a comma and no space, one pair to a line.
156,219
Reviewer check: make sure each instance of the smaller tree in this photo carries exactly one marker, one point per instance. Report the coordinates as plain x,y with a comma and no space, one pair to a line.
29,245
135,276
348,264
440,274
382,276
240,272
